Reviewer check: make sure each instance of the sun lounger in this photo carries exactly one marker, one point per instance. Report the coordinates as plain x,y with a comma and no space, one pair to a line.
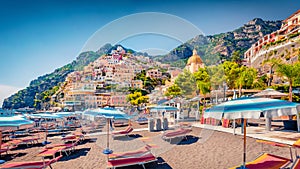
181,132
269,161
66,148
131,160
125,132
4,150
142,120
31,164
138,152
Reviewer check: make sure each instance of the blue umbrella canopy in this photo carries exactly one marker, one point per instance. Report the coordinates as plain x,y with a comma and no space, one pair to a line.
108,113
45,115
15,123
163,108
252,108
64,114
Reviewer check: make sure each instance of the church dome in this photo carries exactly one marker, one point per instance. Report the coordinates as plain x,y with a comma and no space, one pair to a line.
195,58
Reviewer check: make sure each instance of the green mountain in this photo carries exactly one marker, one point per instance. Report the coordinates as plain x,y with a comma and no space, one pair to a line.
214,48
42,87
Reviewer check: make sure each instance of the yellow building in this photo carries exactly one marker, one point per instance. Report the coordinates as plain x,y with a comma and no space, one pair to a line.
194,63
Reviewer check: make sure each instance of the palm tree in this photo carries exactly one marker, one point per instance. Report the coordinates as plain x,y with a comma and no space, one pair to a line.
289,71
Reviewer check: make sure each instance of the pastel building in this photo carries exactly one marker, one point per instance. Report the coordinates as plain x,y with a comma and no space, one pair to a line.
154,73
290,26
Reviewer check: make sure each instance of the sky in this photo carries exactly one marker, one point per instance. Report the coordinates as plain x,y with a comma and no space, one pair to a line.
38,36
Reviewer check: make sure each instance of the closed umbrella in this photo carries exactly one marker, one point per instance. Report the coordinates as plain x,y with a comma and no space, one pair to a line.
253,108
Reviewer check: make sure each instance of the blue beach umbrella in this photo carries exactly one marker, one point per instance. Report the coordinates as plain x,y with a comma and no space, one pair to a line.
14,123
252,108
64,114
108,113
163,108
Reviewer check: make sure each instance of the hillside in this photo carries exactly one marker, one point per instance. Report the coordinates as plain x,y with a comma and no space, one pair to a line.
37,89
213,48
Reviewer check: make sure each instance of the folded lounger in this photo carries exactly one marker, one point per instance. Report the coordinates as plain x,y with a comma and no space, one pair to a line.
125,132
131,159
268,161
181,132
31,164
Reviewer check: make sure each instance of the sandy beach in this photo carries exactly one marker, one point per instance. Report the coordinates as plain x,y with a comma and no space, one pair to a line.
203,149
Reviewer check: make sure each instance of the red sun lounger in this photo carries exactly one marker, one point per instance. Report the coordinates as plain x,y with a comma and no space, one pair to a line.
267,161
31,164
177,133
125,132
131,160
138,152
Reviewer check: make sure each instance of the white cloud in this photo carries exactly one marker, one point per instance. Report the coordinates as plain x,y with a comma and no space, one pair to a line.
6,91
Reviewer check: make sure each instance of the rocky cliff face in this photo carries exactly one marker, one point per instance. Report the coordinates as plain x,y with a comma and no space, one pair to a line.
213,48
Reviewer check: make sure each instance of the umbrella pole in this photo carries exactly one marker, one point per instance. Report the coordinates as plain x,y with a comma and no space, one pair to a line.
1,161
244,157
107,143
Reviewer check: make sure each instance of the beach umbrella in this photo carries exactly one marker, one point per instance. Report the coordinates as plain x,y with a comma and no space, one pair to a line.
108,113
14,123
163,108
64,114
246,108
270,93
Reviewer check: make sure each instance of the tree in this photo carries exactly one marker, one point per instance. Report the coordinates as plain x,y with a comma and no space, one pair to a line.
289,72
173,91
217,76
231,71
202,79
137,98
236,57
186,82
246,78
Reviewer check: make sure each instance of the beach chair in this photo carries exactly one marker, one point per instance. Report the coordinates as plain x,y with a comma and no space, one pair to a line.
137,152
296,164
51,150
31,164
181,132
4,150
269,161
137,157
125,132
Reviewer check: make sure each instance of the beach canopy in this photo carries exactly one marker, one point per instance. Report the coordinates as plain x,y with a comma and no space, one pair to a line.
108,112
163,108
65,114
45,115
252,108
14,123
270,93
